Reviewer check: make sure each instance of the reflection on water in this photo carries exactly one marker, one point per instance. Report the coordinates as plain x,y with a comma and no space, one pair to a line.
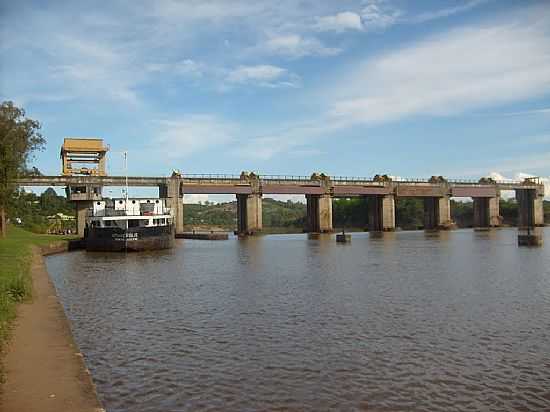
404,321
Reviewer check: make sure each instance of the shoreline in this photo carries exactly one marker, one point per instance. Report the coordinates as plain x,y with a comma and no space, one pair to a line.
44,369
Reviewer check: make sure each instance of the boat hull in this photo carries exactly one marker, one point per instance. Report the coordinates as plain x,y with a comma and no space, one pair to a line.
113,239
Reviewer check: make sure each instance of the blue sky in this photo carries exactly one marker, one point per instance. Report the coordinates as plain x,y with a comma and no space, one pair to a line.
412,89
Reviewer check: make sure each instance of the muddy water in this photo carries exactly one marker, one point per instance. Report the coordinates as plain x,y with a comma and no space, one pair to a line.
409,321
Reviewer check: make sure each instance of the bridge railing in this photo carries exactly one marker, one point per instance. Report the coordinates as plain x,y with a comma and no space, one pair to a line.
212,177
351,179
284,178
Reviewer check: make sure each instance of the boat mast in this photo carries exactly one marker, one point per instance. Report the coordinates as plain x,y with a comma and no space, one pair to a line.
126,171
126,187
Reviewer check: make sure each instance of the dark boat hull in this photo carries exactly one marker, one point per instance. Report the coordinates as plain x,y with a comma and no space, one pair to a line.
129,240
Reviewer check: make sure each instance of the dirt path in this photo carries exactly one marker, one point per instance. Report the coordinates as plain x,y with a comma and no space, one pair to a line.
45,371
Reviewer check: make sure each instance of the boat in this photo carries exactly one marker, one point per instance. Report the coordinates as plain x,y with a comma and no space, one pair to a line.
121,225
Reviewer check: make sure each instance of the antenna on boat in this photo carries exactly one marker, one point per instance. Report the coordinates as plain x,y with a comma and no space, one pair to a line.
125,153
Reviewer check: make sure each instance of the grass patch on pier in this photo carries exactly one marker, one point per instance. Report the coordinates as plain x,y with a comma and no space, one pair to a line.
15,276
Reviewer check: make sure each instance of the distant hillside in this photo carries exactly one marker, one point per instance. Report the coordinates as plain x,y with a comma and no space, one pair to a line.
351,213
275,214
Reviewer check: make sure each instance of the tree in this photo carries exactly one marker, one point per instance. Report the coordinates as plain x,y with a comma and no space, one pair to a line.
19,138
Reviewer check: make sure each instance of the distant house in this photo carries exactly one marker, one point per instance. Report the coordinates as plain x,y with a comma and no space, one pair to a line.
61,216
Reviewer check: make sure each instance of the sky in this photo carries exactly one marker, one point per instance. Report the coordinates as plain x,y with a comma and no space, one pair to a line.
349,88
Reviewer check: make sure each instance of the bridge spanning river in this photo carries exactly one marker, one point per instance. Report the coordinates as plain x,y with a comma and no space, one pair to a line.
380,192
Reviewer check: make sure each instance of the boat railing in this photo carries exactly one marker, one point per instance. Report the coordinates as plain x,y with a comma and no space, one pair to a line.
122,213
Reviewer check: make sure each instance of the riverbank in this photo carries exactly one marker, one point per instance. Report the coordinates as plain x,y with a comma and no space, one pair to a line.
42,367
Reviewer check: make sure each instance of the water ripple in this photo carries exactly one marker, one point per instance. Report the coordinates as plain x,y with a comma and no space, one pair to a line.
406,322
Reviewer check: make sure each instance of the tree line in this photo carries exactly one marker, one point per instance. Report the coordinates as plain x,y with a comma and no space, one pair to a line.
19,138
349,213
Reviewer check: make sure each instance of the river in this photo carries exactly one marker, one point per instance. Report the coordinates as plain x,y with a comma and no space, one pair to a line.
410,321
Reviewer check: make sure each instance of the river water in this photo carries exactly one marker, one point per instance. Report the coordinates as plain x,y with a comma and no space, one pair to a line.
408,321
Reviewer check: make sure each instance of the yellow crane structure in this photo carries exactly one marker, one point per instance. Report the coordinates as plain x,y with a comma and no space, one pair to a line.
78,153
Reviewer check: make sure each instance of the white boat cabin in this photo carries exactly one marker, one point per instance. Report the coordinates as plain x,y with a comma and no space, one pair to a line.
129,213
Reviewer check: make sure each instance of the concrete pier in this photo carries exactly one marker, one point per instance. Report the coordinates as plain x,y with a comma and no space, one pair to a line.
83,195
81,207
173,193
249,214
437,213
486,212
530,208
319,214
381,209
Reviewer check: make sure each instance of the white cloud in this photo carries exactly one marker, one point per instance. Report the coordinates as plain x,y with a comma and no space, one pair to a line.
186,67
379,14
179,138
438,14
528,112
294,140
200,10
82,67
499,177
295,46
459,70
339,22
262,75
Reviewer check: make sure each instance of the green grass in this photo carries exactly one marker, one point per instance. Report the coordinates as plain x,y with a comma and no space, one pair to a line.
15,278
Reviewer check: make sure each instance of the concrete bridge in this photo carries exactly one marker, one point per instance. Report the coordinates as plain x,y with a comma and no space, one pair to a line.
381,193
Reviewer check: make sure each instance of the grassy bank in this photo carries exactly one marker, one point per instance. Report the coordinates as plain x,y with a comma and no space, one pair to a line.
15,278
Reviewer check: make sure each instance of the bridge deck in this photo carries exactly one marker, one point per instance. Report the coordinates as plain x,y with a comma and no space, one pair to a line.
337,186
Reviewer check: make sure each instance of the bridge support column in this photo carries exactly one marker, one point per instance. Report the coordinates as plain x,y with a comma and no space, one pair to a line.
381,213
319,214
172,193
437,213
81,207
530,208
486,211
531,214
83,196
249,214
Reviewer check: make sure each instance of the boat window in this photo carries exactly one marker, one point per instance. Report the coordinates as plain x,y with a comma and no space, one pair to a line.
133,223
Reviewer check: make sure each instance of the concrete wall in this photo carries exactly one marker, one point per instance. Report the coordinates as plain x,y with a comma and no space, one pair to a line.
81,213
538,211
486,211
494,211
388,213
381,211
174,200
444,214
437,213
325,213
530,208
319,213
249,214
